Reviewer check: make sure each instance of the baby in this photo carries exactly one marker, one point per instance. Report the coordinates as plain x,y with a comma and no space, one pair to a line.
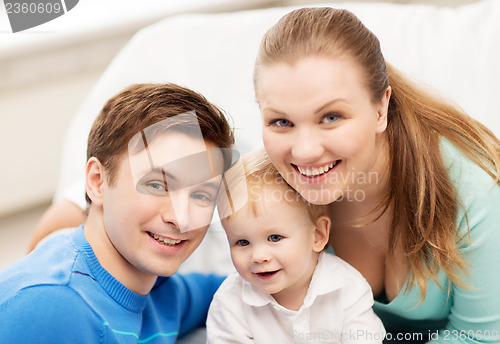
287,289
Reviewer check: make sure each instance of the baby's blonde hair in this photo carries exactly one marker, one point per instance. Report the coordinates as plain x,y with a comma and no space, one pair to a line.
260,175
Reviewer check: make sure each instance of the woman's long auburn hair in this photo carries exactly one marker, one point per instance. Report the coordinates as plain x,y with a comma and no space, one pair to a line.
422,199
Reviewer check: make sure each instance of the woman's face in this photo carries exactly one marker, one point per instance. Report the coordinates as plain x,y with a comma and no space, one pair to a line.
321,128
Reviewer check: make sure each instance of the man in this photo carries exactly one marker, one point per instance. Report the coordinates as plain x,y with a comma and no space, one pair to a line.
156,156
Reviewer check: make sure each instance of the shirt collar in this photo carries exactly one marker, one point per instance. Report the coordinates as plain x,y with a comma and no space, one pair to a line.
326,278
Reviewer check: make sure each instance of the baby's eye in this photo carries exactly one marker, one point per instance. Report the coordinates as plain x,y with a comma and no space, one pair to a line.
330,118
275,237
243,242
281,122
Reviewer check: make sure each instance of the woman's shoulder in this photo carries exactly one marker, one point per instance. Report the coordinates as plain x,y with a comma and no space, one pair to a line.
478,194
468,178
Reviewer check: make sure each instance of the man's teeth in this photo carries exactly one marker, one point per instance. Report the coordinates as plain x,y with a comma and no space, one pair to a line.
316,171
163,240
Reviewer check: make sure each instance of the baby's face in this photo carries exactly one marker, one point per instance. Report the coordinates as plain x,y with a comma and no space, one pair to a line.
275,250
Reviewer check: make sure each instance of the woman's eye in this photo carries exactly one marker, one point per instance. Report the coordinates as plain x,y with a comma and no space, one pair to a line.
243,242
330,118
275,237
280,122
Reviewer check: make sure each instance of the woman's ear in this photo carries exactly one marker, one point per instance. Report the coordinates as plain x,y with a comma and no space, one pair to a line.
382,110
321,233
94,180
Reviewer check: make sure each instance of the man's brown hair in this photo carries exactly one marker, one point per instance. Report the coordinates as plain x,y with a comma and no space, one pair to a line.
140,106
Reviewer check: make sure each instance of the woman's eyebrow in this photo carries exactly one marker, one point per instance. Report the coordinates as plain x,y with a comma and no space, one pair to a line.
321,108
333,101
274,110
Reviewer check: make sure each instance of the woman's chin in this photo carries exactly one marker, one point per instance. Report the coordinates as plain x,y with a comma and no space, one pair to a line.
320,197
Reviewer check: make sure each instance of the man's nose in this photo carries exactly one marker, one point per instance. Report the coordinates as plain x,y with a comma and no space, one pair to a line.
176,210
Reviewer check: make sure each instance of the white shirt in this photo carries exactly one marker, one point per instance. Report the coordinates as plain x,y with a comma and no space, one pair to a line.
337,309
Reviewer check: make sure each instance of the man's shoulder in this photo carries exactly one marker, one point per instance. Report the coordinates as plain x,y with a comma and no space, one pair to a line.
39,300
46,312
46,298
50,264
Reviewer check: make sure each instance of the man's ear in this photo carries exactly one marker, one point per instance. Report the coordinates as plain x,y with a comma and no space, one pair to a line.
321,233
382,110
94,180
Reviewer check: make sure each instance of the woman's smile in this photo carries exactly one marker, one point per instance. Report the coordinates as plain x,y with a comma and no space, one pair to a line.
315,173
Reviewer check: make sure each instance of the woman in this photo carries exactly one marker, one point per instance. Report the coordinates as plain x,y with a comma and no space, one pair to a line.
412,180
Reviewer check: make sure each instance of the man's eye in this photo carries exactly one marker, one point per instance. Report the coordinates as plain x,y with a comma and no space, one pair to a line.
243,242
203,197
200,197
156,187
275,237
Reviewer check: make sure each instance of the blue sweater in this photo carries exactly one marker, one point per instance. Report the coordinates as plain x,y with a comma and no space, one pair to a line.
60,293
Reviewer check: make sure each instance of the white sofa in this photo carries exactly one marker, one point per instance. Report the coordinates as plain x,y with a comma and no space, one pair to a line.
454,50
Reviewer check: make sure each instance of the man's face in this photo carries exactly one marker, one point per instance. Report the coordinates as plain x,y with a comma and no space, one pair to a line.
158,211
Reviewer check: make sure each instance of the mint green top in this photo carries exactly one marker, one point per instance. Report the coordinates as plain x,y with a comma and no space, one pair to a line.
466,315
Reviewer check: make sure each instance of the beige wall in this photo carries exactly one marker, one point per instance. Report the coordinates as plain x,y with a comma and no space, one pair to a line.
39,92
42,85
452,3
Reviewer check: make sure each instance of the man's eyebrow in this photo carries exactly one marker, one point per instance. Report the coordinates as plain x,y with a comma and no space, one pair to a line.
158,170
211,184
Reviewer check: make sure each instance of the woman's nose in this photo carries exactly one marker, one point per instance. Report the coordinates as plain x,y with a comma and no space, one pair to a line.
306,146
